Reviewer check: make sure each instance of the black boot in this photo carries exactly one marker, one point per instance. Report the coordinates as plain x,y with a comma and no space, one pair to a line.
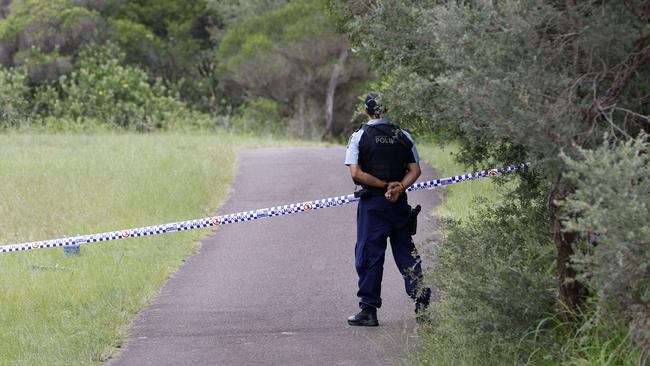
366,317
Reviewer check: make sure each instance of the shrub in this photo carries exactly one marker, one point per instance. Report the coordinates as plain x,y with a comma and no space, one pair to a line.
43,67
13,96
260,115
495,282
289,55
43,34
514,81
610,210
102,88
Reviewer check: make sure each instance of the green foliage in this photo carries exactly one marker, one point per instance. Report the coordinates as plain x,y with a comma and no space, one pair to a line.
596,341
494,278
602,343
460,199
291,50
164,37
52,30
288,55
295,22
165,18
231,12
13,97
514,81
610,210
102,89
43,67
502,76
260,116
137,41
449,341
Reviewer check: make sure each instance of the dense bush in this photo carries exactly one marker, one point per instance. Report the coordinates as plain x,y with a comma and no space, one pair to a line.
44,34
14,91
167,38
289,55
260,116
101,93
610,210
495,281
520,81
307,70
101,88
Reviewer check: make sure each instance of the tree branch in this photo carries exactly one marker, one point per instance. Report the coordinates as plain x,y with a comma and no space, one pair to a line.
331,89
637,58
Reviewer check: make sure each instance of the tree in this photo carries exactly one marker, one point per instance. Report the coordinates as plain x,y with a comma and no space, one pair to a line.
43,35
103,90
331,90
609,212
4,7
231,12
515,81
170,38
542,81
166,37
290,55
13,97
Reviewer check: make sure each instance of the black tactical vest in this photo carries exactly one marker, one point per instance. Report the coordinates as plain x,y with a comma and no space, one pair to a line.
384,152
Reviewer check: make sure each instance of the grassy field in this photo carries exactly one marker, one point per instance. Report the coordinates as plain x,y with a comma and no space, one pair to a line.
458,198
58,310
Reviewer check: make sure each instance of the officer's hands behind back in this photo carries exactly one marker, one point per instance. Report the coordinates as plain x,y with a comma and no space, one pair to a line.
393,191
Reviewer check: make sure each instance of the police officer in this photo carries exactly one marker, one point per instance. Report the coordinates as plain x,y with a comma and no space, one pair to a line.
383,159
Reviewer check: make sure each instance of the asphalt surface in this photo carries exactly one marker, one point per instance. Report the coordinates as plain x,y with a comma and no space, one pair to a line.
278,291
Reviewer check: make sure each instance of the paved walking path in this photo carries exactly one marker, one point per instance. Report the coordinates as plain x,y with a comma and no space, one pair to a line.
277,291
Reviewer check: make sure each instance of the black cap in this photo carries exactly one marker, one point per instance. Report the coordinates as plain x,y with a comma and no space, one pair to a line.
374,104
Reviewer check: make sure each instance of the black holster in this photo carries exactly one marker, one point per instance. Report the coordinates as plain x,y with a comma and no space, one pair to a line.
362,193
413,219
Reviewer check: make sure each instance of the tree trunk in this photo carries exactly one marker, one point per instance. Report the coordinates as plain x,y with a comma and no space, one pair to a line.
572,294
331,89
301,111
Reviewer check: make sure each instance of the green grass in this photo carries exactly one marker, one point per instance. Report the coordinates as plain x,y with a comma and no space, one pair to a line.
58,310
458,198
458,203
595,342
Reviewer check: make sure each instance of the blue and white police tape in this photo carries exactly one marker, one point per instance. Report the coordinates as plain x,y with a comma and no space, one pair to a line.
241,216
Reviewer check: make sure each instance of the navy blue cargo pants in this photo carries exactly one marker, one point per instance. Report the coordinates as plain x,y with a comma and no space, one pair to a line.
377,220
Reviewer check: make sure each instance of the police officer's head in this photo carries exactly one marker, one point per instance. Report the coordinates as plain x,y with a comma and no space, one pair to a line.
374,105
